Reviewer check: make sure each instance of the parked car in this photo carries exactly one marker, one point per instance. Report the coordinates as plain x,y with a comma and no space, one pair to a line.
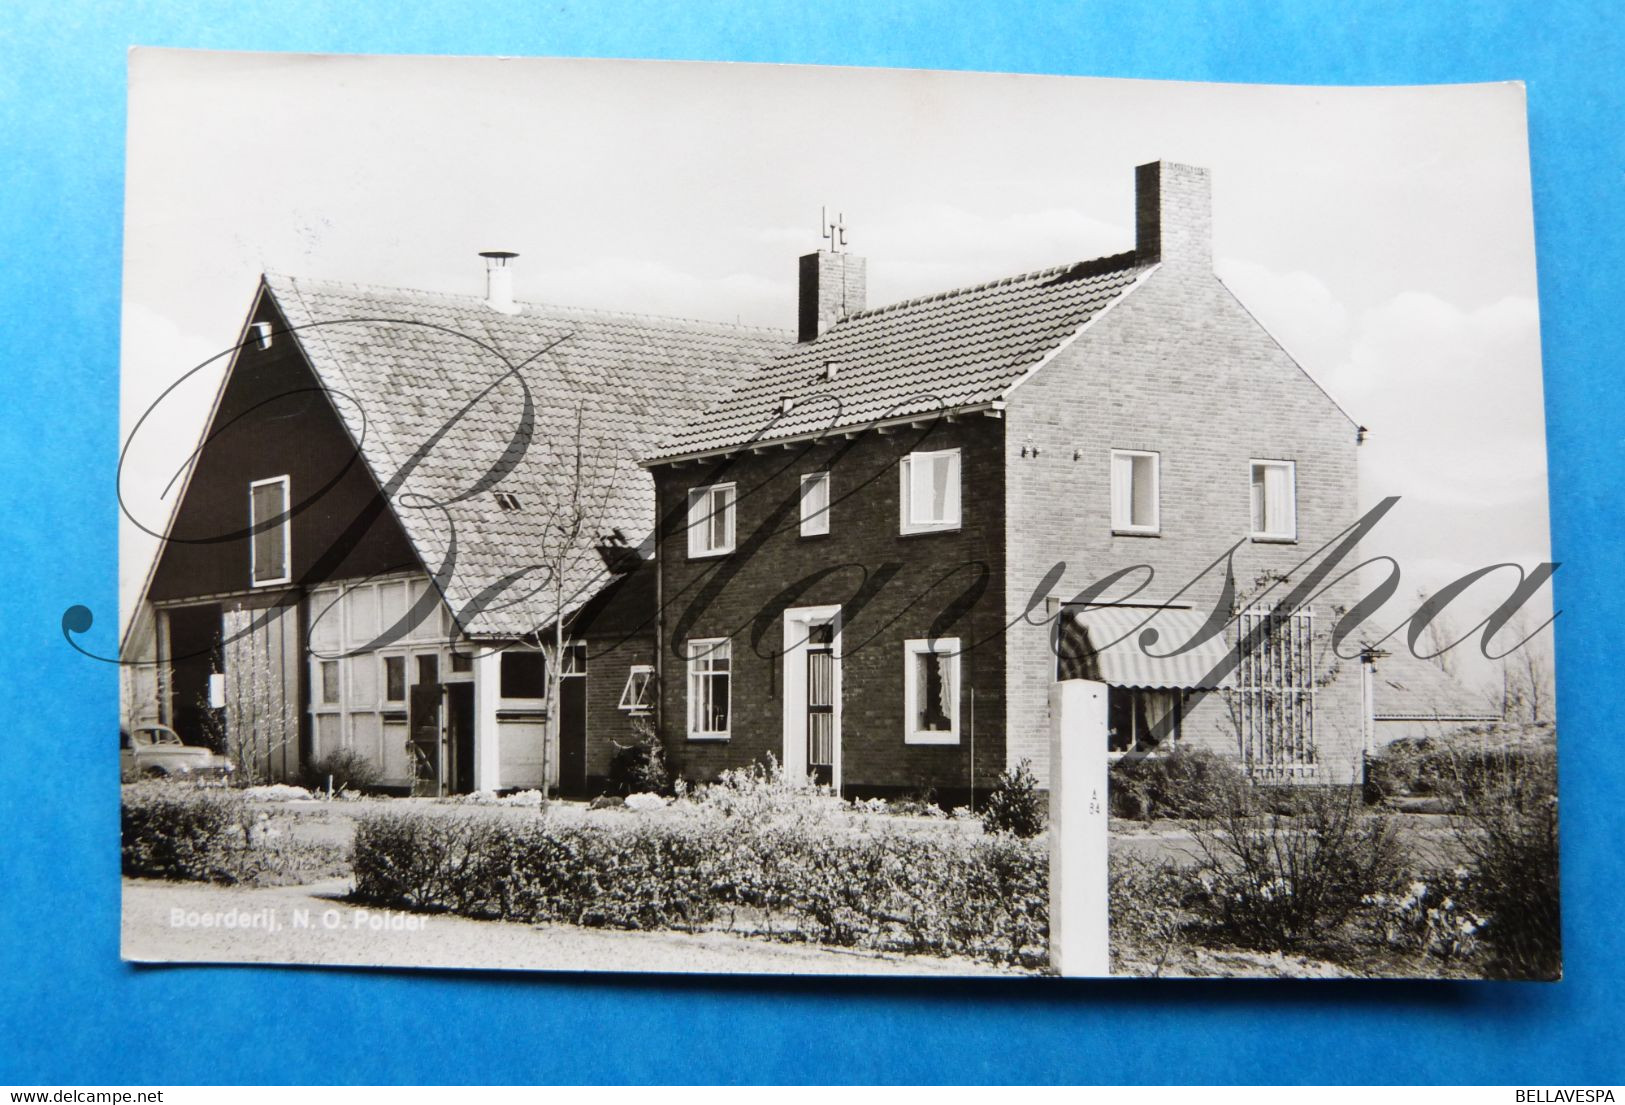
157,752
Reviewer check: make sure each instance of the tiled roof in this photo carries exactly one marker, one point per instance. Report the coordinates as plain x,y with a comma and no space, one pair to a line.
401,364
950,351
1407,687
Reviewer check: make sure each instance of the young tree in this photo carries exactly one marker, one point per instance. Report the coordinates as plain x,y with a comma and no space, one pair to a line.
259,721
1440,635
1528,682
575,496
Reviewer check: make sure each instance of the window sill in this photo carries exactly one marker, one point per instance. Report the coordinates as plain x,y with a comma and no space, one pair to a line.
931,738
1136,532
1273,539
926,531
283,582
708,738
813,536
716,554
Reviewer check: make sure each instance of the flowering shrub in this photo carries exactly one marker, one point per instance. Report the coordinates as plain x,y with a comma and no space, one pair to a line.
1430,917
762,794
798,873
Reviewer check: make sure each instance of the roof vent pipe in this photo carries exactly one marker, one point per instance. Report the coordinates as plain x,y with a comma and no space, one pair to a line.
499,280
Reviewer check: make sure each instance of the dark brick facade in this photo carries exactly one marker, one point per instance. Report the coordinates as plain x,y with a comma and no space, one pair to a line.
274,420
892,588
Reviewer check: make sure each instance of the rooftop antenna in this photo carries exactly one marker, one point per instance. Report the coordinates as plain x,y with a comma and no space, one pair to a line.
833,232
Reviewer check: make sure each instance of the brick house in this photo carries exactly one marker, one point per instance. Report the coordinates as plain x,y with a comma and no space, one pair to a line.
866,552
875,553
359,556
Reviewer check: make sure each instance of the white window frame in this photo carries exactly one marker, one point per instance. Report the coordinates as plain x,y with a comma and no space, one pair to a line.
912,650
816,523
287,534
383,702
1290,533
699,518
953,514
635,696
1123,512
701,649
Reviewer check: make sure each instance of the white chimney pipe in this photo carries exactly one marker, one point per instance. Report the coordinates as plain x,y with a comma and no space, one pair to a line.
499,281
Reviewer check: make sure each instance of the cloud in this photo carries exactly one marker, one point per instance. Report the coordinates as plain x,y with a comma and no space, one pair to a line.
1453,397
1297,308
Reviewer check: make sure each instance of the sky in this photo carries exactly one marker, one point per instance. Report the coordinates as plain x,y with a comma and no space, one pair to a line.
1383,235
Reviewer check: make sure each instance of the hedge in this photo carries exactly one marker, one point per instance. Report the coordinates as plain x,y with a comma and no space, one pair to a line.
921,893
174,830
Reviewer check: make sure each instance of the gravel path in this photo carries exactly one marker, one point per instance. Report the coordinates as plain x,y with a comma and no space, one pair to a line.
198,923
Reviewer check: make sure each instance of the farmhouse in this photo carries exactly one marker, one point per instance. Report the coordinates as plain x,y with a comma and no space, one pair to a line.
866,548
1411,697
368,551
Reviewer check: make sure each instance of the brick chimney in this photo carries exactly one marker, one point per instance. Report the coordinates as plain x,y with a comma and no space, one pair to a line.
833,286
1173,214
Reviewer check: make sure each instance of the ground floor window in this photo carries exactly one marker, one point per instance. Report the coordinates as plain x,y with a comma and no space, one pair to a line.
637,697
1142,719
524,674
710,673
931,691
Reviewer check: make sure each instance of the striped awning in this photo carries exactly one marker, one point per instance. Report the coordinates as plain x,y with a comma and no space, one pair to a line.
1113,635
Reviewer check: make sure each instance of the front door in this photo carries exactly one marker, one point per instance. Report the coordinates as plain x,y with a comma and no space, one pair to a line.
812,695
460,736
573,728
425,722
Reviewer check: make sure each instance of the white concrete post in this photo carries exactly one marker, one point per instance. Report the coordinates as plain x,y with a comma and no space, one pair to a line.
1079,927
487,733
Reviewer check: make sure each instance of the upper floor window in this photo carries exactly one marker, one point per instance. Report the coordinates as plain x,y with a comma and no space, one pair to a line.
815,504
1275,500
930,491
711,520
931,691
1136,496
268,522
710,674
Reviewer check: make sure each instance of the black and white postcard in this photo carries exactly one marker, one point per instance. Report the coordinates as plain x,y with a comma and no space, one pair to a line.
632,516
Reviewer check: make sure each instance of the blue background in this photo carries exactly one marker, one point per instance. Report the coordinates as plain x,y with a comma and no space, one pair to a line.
71,1013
